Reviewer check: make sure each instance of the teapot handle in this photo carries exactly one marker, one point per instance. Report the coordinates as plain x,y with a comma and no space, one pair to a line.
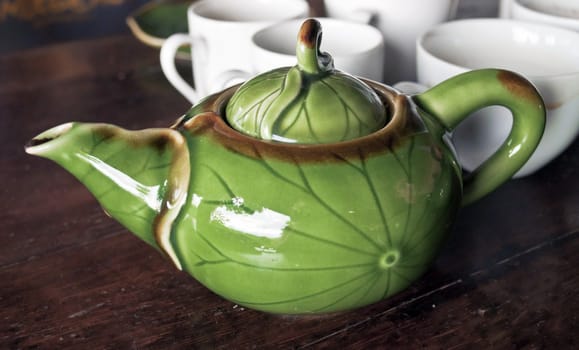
455,99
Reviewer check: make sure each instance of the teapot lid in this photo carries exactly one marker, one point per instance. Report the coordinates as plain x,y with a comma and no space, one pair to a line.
309,103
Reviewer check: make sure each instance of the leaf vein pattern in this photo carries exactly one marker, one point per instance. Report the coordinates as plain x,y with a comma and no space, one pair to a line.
309,121
295,120
275,173
104,160
160,166
408,172
228,259
349,163
129,174
109,190
259,125
434,227
335,212
257,122
203,261
250,83
324,291
402,276
355,289
377,201
146,163
422,239
257,105
409,236
221,180
326,241
368,289
346,106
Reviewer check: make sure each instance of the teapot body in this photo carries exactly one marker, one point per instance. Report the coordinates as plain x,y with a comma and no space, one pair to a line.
329,206
288,228
297,228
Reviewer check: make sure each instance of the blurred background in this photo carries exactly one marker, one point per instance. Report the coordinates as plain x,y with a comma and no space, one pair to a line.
31,23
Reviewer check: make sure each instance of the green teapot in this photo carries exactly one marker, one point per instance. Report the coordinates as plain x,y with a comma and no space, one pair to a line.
304,190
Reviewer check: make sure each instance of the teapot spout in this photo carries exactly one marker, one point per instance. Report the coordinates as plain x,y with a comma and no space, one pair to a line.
140,178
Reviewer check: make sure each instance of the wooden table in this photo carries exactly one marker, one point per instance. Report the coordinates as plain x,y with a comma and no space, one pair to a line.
70,277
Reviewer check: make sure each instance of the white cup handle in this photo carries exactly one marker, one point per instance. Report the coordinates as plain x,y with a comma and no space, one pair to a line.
410,87
167,58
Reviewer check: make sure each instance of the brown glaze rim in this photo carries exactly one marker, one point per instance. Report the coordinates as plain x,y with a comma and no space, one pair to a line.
210,121
161,140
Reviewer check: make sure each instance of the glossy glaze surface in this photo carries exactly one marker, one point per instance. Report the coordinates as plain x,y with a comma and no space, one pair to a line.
139,177
310,102
301,228
289,228
285,229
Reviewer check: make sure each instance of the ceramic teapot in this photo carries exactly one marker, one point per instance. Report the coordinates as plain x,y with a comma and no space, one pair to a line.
252,195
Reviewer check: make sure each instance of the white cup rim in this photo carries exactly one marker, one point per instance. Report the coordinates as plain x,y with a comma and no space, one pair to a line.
523,4
196,10
459,26
373,37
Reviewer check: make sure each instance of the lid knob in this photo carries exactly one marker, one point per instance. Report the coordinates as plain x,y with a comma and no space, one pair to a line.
309,103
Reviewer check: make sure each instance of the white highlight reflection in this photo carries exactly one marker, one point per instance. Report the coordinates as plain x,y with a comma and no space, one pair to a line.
149,194
196,200
263,223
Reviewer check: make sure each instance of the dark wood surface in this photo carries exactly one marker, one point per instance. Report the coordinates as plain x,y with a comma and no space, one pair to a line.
70,277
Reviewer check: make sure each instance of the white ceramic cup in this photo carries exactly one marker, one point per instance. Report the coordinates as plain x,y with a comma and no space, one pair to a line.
548,56
357,49
561,13
220,34
401,22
